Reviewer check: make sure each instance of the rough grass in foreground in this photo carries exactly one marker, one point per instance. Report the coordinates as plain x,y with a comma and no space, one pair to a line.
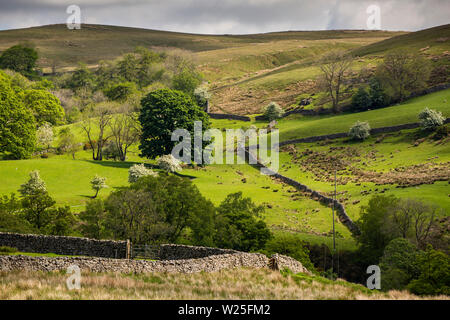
226,284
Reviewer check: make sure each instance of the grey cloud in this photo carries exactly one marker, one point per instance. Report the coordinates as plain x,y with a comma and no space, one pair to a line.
229,16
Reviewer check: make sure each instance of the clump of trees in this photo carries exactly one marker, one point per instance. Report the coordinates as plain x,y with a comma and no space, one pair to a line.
359,131
168,208
372,98
398,234
399,75
35,211
403,72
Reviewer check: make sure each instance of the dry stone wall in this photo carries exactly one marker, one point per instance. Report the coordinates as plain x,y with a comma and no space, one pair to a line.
207,264
64,245
178,252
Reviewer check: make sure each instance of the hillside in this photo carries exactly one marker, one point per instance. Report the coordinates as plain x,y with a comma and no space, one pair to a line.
437,39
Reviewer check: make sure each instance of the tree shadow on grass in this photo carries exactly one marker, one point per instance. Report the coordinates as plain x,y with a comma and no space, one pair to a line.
119,164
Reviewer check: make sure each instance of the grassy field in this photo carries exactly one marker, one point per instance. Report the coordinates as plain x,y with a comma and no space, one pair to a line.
286,210
227,284
297,126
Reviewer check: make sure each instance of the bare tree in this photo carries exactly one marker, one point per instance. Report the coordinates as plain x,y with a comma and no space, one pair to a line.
334,67
423,219
96,122
414,219
403,72
125,129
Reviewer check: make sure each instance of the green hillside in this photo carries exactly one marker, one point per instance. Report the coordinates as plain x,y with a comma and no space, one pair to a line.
437,38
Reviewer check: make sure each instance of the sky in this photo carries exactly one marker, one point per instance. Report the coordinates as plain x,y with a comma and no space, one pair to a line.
230,16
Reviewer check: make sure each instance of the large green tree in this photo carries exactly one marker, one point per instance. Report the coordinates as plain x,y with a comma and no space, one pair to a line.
17,124
239,225
163,111
20,59
45,107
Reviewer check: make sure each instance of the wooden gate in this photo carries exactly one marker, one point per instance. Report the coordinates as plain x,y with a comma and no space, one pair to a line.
146,251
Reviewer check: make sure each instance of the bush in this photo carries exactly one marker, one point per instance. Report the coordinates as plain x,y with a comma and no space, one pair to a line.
441,132
359,131
10,218
272,111
239,225
399,264
430,119
6,249
202,96
121,91
169,163
137,171
291,246
377,95
44,156
434,278
110,151
361,100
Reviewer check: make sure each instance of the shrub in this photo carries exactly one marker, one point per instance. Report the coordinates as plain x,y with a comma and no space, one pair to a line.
121,91
359,131
399,264
44,156
239,225
110,151
361,100
435,274
44,135
6,249
430,119
291,246
202,96
34,185
272,111
98,183
377,95
169,163
137,171
441,132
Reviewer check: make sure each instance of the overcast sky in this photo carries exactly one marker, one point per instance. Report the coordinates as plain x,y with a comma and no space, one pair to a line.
229,16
